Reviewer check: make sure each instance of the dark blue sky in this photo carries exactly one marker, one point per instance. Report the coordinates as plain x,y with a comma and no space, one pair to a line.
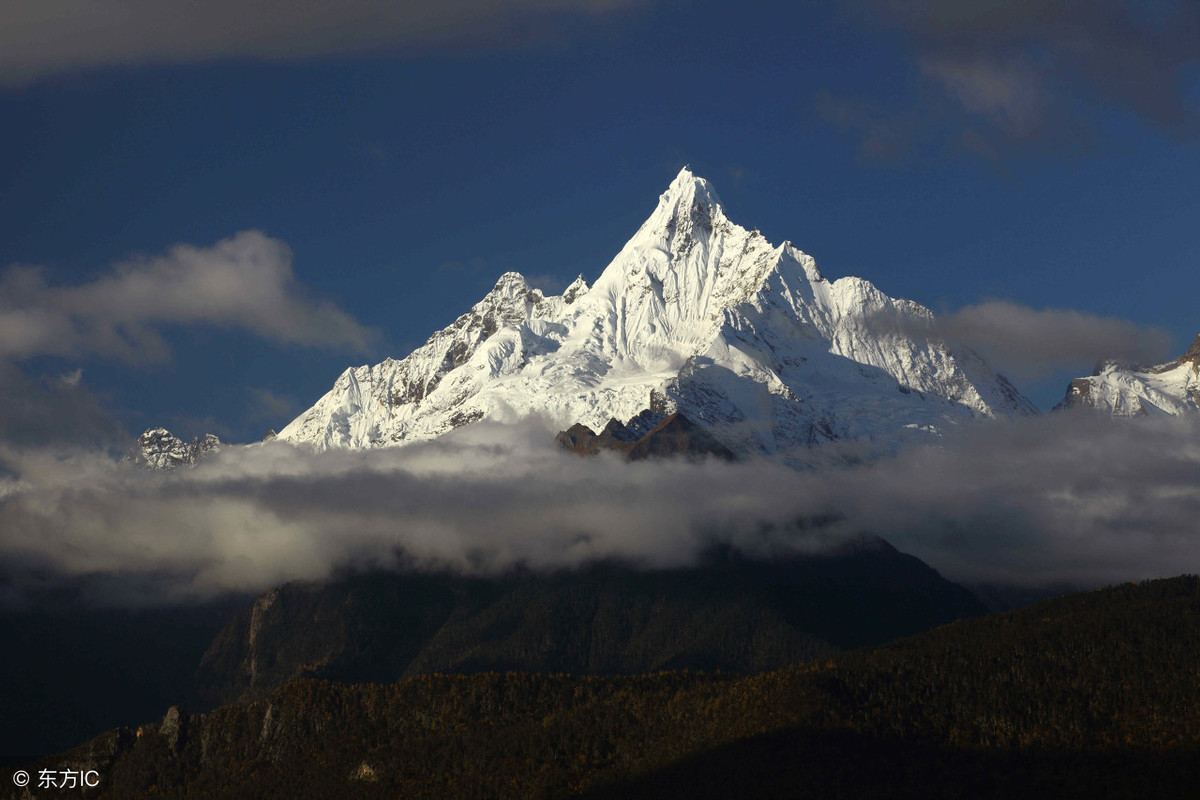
949,157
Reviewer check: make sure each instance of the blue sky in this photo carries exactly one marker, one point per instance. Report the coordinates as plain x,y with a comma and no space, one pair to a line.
1045,154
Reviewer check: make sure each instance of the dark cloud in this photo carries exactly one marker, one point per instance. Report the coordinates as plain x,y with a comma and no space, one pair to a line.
1029,343
272,407
884,135
1033,342
245,282
1063,499
51,36
53,411
1032,73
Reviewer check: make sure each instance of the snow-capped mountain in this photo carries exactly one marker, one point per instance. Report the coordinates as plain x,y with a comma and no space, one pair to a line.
1172,388
696,314
159,449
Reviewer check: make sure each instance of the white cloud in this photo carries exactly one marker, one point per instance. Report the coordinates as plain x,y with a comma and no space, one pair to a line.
1062,499
244,282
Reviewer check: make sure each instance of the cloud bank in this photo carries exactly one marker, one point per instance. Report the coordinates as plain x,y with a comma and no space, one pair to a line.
49,36
1064,499
245,282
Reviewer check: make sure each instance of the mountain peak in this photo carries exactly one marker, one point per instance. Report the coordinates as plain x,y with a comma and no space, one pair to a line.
511,291
511,282
689,189
1172,388
578,287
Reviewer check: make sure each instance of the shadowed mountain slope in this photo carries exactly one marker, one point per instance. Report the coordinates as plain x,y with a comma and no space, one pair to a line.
1091,695
731,613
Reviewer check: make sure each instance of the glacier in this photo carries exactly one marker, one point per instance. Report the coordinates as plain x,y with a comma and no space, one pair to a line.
695,315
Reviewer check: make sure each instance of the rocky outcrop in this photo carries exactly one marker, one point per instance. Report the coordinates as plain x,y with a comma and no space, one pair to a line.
673,435
159,449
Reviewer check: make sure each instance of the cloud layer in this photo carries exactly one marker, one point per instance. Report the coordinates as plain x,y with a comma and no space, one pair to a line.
245,282
54,35
1065,499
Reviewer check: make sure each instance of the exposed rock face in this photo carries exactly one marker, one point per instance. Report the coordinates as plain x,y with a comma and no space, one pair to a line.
172,728
673,435
695,315
158,449
1171,388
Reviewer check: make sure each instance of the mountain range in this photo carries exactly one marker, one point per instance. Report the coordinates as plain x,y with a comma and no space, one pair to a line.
695,315
697,323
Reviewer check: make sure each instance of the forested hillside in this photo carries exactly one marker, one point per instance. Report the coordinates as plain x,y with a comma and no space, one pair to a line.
1084,696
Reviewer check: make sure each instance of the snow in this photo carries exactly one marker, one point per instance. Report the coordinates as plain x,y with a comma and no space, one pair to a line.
743,336
1169,389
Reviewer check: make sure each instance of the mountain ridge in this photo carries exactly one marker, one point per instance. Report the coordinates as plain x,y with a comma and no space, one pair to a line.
730,613
1171,388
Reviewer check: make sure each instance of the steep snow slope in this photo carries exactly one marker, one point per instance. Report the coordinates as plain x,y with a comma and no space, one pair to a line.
1172,388
695,314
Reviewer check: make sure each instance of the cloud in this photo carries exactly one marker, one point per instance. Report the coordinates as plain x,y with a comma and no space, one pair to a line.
1029,343
269,406
884,135
1014,75
1135,55
482,499
548,284
1066,498
1008,93
53,412
55,35
1062,499
243,282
